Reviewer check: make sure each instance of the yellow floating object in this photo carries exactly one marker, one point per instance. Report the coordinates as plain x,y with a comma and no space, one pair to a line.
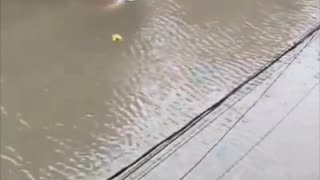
116,38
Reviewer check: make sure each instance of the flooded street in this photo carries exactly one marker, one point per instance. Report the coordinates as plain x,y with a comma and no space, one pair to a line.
77,106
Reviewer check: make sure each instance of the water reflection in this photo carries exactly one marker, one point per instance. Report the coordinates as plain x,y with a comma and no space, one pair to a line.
75,105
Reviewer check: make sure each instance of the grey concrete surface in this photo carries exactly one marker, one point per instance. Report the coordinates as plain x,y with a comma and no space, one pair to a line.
259,147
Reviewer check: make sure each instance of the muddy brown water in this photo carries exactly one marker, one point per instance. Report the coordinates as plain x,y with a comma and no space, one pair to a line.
75,105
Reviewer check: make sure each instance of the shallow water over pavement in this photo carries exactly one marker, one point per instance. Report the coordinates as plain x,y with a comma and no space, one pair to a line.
74,105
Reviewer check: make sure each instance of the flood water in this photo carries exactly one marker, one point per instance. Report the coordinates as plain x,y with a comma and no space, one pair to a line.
75,105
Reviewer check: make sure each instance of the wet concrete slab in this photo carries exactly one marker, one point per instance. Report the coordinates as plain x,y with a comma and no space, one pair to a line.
269,130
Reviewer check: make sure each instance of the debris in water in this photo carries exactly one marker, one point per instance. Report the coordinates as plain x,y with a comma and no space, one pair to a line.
116,38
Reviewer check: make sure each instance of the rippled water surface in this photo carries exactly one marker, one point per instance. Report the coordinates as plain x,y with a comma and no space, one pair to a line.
75,105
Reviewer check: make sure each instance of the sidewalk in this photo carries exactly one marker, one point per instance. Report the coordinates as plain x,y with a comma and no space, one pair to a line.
257,147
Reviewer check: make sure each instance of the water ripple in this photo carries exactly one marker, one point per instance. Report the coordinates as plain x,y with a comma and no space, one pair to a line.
94,106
